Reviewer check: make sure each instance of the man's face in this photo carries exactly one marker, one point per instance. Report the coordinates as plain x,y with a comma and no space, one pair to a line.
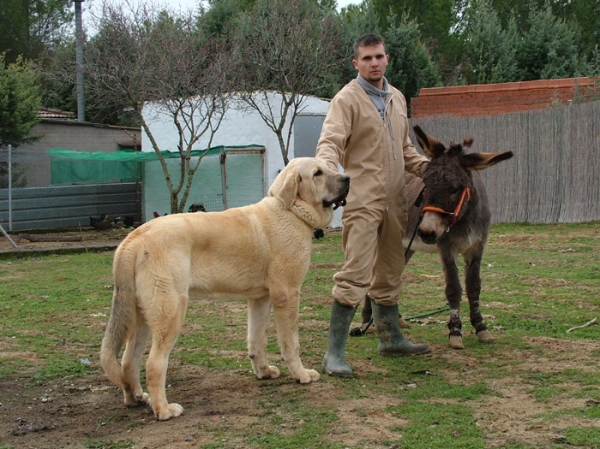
371,64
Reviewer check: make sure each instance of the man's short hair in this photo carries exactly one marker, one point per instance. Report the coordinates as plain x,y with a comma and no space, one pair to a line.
367,40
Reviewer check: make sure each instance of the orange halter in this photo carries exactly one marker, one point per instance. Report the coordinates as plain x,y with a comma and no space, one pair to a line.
465,197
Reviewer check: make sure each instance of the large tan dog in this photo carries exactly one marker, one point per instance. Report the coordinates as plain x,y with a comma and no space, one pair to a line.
259,252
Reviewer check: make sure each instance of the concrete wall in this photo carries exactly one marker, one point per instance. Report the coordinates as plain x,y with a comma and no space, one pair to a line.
502,98
68,135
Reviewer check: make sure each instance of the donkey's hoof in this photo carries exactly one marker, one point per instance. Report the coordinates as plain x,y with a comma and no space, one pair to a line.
456,342
485,337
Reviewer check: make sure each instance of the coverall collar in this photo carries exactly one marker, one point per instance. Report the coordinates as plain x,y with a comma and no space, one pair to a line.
380,98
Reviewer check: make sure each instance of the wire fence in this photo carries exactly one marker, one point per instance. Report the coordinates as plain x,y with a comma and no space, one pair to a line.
28,201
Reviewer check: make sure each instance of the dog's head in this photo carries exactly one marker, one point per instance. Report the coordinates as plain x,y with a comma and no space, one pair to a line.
311,189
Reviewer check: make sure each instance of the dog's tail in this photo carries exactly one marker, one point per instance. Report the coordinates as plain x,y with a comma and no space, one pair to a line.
122,321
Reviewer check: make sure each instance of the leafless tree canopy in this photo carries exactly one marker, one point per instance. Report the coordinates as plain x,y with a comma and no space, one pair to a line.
290,48
150,55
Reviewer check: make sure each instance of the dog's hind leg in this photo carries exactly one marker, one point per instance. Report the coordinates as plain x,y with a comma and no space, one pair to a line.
165,327
285,307
132,358
258,324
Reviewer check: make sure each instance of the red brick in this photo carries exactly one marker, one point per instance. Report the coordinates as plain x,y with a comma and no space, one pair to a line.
482,99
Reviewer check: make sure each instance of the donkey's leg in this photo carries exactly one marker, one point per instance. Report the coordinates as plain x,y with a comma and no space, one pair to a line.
453,295
473,288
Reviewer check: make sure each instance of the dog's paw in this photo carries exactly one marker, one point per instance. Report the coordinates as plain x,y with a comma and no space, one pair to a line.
173,410
308,376
272,372
143,398
136,399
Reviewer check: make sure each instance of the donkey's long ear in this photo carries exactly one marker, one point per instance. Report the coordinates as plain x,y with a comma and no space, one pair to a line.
285,186
432,147
481,161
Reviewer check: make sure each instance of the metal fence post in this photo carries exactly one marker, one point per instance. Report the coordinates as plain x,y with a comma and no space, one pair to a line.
10,187
223,160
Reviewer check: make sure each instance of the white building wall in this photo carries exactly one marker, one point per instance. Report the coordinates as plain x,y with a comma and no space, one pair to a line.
238,128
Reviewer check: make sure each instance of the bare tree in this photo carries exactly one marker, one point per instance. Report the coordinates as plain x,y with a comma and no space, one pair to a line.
287,50
153,58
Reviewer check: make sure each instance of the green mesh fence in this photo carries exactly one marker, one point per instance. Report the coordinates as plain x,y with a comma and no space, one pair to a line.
69,166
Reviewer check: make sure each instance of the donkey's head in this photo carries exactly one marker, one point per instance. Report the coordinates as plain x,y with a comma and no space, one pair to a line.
449,182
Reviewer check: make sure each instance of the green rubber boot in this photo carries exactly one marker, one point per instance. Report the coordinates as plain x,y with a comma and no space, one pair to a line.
391,340
339,325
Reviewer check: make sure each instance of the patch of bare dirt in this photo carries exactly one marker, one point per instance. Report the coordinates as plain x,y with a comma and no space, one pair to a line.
67,413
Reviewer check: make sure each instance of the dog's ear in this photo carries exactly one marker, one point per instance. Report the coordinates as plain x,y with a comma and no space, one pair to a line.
285,186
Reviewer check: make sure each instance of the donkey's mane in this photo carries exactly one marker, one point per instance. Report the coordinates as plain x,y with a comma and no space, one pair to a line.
455,149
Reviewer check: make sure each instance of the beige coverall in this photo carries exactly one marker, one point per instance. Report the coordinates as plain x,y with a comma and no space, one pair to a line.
375,153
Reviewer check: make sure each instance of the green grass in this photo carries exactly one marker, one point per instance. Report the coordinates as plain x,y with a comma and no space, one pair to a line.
538,281
53,308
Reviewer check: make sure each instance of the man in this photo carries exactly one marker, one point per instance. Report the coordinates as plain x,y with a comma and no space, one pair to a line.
366,131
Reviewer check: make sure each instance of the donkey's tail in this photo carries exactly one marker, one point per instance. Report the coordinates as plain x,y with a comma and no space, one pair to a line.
122,321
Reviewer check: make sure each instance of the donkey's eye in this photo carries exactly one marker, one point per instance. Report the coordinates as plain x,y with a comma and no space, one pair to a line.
318,173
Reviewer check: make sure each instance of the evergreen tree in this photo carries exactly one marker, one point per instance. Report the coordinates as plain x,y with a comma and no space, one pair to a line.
29,27
550,48
438,21
490,51
19,105
410,67
20,101
357,20
586,14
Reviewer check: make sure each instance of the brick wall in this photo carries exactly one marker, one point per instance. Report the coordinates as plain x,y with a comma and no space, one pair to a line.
490,99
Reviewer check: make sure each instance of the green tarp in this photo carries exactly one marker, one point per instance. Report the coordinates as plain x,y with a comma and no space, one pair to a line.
69,166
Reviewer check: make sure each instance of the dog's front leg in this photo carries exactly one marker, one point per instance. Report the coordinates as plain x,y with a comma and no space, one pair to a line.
258,325
286,320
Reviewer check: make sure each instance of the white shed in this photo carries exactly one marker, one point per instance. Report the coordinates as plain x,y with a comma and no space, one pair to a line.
240,129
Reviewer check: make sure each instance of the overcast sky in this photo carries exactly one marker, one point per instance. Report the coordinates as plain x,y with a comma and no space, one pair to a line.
95,5
192,3
184,4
